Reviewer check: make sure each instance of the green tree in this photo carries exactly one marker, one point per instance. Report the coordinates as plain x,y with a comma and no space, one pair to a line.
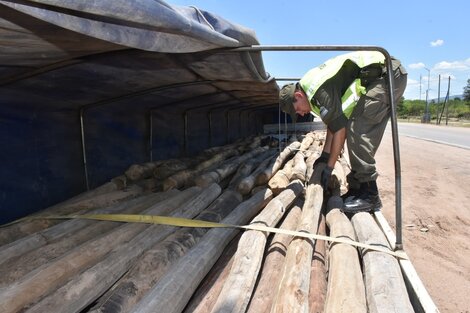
466,91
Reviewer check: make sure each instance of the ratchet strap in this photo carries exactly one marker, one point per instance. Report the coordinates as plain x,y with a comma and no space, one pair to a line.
185,222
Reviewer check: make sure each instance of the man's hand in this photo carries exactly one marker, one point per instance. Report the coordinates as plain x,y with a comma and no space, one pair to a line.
324,157
325,177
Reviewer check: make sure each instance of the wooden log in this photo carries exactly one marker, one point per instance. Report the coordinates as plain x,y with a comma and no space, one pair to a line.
79,204
51,275
385,286
299,167
155,262
240,283
247,167
277,163
264,292
171,167
76,294
140,171
346,290
17,267
307,141
318,272
282,178
206,294
247,183
39,239
226,169
292,292
182,178
173,291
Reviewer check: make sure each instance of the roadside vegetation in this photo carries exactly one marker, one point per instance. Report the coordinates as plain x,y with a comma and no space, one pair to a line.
457,110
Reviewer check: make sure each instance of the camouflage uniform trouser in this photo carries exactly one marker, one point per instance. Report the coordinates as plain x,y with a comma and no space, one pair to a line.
367,124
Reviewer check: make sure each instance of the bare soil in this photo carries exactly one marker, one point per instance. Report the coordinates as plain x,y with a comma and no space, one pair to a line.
436,214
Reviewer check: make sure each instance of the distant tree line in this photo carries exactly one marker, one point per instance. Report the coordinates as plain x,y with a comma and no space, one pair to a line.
456,108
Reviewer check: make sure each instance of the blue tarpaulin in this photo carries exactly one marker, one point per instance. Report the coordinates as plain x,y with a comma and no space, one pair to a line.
145,78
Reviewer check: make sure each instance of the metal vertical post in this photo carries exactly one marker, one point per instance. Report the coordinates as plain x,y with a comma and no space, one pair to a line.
393,117
151,135
82,133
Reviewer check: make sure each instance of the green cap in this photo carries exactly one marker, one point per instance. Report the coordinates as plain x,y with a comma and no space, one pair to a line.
286,100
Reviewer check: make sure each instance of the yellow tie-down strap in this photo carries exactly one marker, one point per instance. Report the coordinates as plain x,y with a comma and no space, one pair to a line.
185,222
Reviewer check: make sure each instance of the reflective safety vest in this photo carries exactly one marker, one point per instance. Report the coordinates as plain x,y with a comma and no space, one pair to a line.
314,78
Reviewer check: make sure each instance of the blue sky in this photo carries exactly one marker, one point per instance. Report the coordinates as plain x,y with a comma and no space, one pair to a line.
422,34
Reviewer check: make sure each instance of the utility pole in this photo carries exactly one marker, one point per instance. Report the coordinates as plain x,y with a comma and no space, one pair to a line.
426,118
438,99
420,78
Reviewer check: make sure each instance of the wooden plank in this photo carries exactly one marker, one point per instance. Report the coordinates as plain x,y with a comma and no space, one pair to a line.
264,293
419,296
240,283
155,262
173,291
48,277
385,287
293,290
346,290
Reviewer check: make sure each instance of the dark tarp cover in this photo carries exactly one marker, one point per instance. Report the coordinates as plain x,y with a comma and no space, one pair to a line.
147,80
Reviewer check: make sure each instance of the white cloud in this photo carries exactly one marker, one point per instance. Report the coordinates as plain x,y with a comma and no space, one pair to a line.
437,43
455,65
417,65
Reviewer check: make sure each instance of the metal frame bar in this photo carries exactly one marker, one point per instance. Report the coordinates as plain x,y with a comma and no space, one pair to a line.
393,117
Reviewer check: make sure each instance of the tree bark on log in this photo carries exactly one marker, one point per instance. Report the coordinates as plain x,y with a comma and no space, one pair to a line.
277,163
264,293
346,290
226,169
385,286
48,277
240,283
76,294
17,267
173,291
245,169
282,178
299,167
182,178
318,272
292,293
247,183
154,263
79,204
49,235
206,294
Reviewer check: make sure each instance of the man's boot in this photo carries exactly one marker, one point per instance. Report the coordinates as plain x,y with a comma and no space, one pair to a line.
352,193
367,201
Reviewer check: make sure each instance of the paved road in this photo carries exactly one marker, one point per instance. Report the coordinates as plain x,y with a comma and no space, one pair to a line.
454,136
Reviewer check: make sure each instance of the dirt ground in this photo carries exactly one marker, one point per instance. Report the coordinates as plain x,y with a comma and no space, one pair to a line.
436,214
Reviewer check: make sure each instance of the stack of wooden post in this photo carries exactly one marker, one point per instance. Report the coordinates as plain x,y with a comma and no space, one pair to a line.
77,265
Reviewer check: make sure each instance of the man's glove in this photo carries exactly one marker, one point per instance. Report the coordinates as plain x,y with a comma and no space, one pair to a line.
322,159
325,177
